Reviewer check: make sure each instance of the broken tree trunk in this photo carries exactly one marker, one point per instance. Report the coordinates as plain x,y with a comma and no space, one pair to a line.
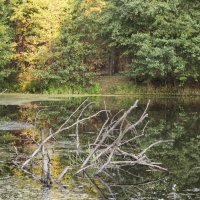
46,165
46,170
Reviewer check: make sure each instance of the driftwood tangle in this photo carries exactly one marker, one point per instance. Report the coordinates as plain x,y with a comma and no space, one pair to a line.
107,151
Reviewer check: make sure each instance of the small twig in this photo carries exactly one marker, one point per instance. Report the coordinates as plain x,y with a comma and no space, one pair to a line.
152,145
62,174
26,171
3,91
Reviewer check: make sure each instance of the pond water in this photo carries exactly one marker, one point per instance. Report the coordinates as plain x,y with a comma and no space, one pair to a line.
170,118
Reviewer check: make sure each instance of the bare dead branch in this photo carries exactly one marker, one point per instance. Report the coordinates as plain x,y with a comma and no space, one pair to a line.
62,174
104,154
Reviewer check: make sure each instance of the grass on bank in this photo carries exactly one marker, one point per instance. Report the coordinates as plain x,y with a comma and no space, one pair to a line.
108,85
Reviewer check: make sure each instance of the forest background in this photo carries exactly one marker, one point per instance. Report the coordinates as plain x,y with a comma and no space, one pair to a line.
49,44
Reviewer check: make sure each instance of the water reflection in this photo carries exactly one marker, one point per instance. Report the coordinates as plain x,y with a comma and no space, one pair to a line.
170,118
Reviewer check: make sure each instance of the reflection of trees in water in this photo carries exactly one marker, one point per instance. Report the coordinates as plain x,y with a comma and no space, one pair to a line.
109,147
183,157
182,124
168,121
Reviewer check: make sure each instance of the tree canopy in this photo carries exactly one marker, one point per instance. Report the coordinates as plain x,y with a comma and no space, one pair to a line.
45,43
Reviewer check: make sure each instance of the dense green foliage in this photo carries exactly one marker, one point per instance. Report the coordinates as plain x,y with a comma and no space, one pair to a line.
48,44
5,43
162,38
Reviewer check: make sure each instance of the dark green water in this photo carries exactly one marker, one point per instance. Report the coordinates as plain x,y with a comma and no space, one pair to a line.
170,118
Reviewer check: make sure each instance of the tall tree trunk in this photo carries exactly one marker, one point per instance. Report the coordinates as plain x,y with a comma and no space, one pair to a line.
114,61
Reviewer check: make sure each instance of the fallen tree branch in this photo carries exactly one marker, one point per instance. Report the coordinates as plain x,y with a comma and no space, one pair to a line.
106,154
106,134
